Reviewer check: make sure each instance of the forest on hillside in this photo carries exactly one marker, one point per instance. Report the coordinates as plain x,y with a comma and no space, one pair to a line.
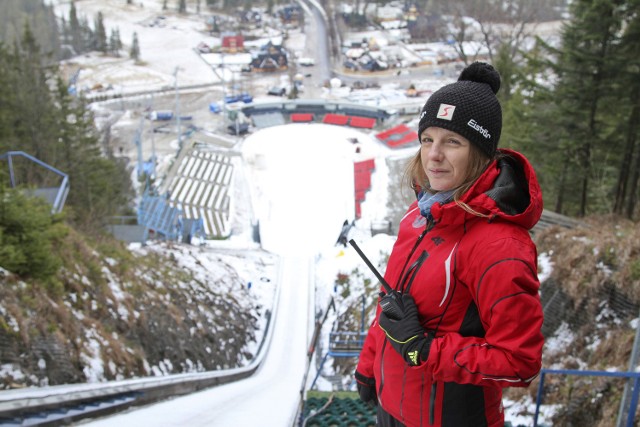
574,109
41,117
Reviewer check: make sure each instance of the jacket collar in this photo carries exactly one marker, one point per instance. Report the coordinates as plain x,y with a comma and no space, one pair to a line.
508,189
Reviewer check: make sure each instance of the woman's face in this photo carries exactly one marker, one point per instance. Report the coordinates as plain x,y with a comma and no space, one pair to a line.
445,157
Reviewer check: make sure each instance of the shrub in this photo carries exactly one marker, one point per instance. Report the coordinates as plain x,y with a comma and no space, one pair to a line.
28,231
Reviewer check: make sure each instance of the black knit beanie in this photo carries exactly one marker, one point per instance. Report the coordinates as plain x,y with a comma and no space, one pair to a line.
468,107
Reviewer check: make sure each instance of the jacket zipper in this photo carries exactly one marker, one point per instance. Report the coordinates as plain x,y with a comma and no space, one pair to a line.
428,228
417,264
384,346
415,267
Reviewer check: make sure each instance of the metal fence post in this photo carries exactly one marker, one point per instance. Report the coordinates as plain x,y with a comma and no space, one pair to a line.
634,402
539,399
633,362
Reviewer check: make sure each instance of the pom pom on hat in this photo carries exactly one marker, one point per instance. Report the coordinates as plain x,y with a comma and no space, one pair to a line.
468,107
481,72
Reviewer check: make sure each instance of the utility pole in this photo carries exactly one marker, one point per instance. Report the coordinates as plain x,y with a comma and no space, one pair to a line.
175,75
153,145
138,142
224,87
219,71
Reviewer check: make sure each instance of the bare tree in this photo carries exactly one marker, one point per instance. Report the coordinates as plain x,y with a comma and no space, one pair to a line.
480,29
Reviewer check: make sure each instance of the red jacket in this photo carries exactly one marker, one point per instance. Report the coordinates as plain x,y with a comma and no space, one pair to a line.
477,289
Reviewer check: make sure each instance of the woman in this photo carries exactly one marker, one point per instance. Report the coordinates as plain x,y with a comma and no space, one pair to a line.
465,269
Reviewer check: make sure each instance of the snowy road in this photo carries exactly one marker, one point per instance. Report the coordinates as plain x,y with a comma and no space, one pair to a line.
270,397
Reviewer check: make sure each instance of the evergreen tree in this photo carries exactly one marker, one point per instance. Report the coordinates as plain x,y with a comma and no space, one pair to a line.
628,101
100,34
32,116
27,234
134,53
527,116
115,44
55,33
66,35
83,38
8,94
40,117
117,39
88,36
182,6
75,30
575,110
585,74
100,186
42,20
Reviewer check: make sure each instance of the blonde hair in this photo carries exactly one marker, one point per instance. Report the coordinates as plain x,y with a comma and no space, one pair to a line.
416,178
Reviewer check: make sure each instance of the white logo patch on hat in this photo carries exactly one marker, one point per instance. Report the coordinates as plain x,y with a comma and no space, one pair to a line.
446,111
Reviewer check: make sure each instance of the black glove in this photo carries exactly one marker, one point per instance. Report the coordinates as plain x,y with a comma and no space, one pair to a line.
366,389
406,335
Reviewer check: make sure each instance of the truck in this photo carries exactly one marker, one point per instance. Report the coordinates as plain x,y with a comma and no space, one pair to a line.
161,115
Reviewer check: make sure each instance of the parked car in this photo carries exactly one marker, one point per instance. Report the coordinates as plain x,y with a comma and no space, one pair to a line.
244,97
161,115
203,48
306,62
349,65
277,91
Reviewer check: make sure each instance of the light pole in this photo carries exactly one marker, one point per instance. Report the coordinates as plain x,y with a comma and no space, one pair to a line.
175,75
223,81
219,71
153,145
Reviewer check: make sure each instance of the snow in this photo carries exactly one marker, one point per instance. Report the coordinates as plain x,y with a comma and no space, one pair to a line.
562,338
301,191
545,266
164,45
301,207
313,163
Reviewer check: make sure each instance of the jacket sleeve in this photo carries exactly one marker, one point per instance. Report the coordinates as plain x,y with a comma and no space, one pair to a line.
502,279
368,352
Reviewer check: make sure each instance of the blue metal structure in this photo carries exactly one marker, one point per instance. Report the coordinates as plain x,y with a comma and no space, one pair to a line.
341,344
157,215
634,396
138,142
54,195
73,82
344,343
167,222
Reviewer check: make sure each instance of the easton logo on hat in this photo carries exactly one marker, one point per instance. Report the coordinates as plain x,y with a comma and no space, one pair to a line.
445,111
